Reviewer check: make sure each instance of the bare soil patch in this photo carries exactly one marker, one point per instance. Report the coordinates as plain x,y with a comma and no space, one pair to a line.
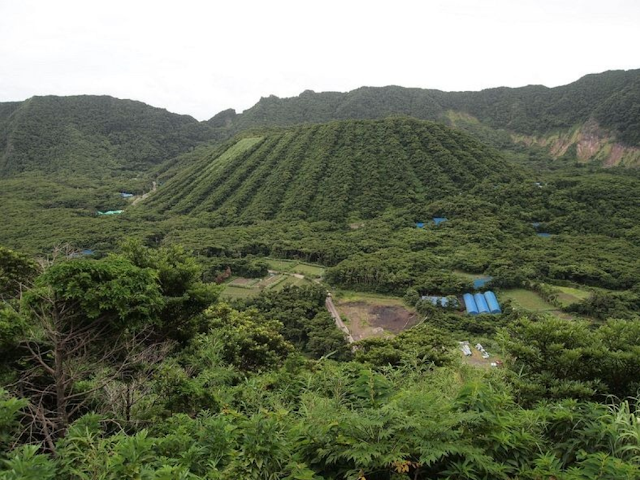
366,320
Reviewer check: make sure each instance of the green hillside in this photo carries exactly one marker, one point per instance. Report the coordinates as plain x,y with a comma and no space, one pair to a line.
92,136
338,171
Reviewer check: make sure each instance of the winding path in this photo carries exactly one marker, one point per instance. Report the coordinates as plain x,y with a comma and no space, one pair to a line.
142,197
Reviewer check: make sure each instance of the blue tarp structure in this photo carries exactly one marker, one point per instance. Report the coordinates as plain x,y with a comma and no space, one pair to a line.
480,282
82,253
439,220
442,301
470,304
492,302
544,235
126,195
111,212
481,302
419,224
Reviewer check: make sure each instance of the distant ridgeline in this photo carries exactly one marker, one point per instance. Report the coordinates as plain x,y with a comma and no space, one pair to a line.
596,117
332,172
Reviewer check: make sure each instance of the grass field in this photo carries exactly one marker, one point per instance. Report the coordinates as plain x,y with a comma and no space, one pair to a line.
529,300
295,266
307,270
569,295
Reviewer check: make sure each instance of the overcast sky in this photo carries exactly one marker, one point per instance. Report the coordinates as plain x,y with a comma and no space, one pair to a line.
200,57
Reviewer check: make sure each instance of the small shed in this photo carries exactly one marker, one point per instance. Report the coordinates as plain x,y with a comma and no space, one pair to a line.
126,195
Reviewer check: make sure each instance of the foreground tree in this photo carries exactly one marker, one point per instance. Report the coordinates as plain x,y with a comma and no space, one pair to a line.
87,322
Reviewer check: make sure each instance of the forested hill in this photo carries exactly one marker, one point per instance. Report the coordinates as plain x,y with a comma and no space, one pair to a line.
340,171
596,117
91,135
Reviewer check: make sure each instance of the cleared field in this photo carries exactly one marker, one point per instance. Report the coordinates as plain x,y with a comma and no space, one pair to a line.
370,315
569,295
313,271
231,292
295,266
529,300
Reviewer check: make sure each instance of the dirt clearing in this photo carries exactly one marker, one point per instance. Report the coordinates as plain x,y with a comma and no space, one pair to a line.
366,319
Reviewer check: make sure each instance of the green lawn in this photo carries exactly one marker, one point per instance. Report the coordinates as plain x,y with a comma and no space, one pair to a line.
529,300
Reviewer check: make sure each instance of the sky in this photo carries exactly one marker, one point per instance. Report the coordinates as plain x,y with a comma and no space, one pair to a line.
200,57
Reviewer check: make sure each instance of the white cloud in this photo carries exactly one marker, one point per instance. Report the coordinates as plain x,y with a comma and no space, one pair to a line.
199,57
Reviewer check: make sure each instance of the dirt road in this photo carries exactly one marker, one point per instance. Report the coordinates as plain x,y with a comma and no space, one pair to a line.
336,316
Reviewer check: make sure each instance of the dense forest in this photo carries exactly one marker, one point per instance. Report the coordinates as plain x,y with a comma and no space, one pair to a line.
131,367
125,354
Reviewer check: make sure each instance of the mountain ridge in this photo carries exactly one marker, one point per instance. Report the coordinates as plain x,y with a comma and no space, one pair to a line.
610,99
596,118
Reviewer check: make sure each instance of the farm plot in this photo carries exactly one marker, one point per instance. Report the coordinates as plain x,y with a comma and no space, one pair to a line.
250,287
531,301
295,266
569,295
369,316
